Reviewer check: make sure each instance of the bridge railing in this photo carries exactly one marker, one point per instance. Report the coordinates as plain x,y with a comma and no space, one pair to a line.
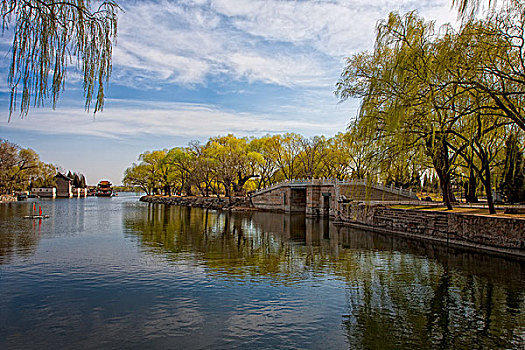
363,182
391,189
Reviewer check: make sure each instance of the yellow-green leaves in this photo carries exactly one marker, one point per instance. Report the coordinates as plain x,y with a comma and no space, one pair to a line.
21,168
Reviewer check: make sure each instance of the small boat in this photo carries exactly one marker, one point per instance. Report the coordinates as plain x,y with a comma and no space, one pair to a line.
36,215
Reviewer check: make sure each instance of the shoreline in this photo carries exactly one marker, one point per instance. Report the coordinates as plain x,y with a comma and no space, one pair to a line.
5,198
494,235
222,203
497,234
517,253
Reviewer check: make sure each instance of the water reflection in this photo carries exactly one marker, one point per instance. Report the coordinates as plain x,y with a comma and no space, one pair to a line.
116,273
17,236
20,236
400,293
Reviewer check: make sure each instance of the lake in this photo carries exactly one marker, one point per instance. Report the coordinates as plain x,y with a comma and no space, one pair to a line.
118,273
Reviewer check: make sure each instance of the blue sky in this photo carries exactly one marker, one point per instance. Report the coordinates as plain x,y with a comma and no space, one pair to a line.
189,70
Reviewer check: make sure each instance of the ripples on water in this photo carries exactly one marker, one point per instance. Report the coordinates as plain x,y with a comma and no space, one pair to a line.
116,273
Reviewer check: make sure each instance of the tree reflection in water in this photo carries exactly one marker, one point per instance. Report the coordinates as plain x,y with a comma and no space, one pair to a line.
401,293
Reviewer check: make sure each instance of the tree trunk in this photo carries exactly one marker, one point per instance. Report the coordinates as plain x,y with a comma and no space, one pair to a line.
183,183
201,190
446,189
488,188
187,189
241,181
227,189
470,194
438,151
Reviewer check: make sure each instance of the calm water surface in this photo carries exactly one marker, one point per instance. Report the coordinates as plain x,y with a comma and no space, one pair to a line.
117,273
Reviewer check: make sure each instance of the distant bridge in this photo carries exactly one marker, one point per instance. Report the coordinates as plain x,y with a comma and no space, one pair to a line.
324,197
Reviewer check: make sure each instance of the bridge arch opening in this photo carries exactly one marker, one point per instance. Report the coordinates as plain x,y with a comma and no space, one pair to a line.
297,200
327,197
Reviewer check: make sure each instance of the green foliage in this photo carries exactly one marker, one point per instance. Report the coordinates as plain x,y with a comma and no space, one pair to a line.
513,182
139,175
45,177
443,99
230,166
21,168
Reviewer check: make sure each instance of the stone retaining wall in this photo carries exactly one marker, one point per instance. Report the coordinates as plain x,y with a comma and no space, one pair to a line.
202,202
505,235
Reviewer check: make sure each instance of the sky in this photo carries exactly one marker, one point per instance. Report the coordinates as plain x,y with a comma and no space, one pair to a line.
190,70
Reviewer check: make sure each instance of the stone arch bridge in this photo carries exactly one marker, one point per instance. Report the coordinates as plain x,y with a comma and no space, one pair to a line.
323,197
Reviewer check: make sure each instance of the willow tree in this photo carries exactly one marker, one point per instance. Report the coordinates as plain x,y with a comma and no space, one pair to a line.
405,91
266,165
339,154
494,52
47,37
234,163
467,9
479,143
313,156
285,149
513,179
139,175
156,167
203,175
490,101
182,166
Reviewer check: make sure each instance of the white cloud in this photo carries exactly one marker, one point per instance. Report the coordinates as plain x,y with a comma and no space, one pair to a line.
332,27
167,46
286,43
296,44
278,70
124,118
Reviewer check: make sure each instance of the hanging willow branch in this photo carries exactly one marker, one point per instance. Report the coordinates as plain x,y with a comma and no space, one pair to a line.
49,35
467,9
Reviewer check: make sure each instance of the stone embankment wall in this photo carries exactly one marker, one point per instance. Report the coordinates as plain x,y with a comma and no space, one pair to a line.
5,198
505,235
202,202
